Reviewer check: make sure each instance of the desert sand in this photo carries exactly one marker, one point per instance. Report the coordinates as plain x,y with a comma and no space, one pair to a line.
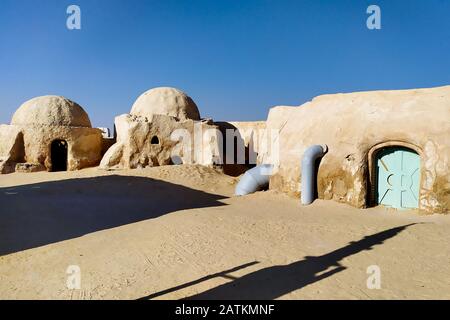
178,232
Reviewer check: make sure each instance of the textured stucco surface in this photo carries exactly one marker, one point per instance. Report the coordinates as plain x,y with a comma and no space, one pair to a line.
194,141
166,101
51,111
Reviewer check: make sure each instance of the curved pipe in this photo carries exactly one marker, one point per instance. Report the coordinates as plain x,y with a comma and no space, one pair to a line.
254,180
310,156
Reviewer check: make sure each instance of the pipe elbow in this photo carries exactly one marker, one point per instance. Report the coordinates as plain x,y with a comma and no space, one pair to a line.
254,180
310,156
314,152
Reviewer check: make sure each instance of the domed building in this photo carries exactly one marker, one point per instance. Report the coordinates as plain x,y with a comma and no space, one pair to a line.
49,133
167,101
162,128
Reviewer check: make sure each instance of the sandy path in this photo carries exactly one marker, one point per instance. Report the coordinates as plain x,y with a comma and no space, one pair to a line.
173,232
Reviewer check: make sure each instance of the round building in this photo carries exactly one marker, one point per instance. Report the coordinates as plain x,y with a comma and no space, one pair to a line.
49,133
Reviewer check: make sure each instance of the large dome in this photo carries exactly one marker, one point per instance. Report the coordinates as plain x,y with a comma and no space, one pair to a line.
51,111
166,101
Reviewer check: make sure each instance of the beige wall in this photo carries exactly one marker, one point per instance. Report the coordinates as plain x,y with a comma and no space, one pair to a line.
134,149
84,145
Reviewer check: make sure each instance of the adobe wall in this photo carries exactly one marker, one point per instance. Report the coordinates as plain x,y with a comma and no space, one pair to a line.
196,142
31,144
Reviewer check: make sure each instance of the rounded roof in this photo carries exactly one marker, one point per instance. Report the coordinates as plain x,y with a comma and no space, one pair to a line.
51,111
166,101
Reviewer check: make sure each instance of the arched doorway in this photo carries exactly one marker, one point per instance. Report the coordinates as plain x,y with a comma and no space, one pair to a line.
397,177
59,155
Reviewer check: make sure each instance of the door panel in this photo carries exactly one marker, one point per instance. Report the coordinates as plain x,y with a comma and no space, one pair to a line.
398,178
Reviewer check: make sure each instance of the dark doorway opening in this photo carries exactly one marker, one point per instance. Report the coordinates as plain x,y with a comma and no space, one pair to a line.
155,140
59,155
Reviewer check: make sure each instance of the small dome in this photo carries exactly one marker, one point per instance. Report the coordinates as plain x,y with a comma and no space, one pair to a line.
51,111
166,101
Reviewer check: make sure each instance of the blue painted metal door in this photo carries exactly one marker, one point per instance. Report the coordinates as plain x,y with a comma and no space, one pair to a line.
398,178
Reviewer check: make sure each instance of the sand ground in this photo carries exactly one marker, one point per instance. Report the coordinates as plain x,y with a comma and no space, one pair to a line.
177,232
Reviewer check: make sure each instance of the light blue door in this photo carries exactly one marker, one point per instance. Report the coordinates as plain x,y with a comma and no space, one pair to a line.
398,178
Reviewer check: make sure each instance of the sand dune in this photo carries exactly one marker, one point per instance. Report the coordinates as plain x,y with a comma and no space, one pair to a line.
177,232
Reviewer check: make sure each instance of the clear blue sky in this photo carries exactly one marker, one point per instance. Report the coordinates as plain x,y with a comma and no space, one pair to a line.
235,58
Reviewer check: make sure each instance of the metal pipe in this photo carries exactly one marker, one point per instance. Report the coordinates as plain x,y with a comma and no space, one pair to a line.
309,178
254,180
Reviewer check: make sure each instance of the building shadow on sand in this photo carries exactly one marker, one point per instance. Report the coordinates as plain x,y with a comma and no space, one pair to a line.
273,282
39,214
